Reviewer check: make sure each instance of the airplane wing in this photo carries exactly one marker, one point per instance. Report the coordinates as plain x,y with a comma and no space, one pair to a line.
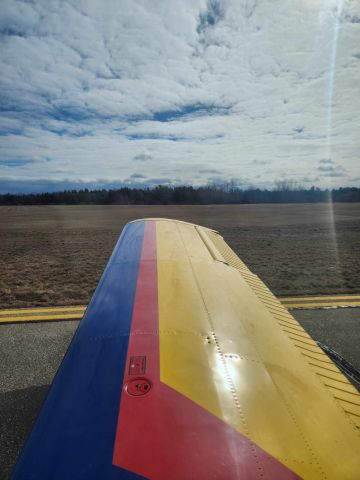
185,366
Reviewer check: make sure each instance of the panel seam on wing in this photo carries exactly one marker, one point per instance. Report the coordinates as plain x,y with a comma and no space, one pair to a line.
280,313
227,374
240,266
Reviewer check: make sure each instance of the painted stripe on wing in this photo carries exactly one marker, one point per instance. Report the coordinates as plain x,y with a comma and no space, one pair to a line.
162,434
74,434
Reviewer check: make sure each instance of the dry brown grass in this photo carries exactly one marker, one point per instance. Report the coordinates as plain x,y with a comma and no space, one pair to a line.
55,255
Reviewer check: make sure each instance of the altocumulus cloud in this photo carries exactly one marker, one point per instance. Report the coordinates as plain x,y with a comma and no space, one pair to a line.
142,157
329,169
178,91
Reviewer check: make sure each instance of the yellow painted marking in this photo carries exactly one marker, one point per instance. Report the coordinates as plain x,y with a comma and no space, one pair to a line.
265,386
41,309
323,298
288,302
321,305
39,318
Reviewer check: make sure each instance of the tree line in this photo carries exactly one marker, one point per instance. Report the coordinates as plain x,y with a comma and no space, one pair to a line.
184,195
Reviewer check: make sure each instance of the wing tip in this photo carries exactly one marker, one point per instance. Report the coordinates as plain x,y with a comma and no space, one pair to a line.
163,219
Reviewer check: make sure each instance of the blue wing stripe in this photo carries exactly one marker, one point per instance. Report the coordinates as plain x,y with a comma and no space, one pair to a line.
73,436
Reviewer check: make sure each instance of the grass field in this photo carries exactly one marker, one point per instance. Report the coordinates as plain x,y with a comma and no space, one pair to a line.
54,255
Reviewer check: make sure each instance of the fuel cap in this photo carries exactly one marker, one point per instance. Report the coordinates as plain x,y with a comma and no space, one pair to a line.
138,387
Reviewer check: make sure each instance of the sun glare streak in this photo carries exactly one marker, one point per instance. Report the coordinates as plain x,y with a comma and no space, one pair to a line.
331,74
330,95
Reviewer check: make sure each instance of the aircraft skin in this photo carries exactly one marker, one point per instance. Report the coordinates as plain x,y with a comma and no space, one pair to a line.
185,366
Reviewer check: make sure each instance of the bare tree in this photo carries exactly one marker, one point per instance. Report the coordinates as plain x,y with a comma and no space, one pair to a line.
287,185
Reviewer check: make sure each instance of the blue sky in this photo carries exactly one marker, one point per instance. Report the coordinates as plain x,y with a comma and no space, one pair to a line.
114,92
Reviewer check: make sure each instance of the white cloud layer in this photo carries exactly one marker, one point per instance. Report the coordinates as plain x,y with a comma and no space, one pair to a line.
183,91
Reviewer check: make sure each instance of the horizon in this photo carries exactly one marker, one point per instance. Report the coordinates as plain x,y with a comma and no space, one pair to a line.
287,188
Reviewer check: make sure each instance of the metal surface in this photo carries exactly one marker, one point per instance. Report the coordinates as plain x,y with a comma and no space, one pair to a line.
238,389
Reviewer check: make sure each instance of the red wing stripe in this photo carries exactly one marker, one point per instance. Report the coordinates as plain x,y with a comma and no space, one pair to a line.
162,434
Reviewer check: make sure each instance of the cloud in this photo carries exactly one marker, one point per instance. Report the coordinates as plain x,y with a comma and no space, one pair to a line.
329,169
16,162
213,84
261,162
326,161
14,185
352,18
212,15
137,175
299,129
161,181
142,157
210,171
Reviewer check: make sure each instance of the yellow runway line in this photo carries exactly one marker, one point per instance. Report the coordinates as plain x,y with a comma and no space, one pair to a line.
39,318
322,305
62,313
324,298
40,309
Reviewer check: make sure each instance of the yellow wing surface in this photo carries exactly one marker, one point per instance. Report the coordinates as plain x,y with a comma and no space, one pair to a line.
230,346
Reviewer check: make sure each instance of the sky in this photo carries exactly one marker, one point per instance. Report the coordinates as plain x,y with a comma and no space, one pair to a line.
122,92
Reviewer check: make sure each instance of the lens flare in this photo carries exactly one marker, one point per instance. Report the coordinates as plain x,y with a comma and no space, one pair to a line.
330,93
